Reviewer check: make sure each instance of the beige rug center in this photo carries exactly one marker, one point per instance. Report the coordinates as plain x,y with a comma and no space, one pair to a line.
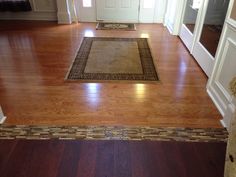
114,57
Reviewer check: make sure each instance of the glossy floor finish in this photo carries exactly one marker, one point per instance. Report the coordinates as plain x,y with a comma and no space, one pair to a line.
43,158
36,56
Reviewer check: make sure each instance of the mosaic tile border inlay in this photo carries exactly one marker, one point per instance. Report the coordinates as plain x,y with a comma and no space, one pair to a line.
114,133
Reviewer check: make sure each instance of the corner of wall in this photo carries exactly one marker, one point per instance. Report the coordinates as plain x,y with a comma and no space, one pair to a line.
64,18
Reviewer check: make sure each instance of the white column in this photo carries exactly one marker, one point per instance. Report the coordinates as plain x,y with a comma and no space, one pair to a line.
63,12
72,9
173,15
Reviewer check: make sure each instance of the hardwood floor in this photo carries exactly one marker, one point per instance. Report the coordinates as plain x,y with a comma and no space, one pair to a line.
110,159
35,57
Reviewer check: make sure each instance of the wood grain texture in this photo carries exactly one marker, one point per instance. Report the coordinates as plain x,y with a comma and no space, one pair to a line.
35,57
56,158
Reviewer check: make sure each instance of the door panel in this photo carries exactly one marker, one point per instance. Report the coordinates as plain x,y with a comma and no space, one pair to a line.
85,14
147,11
186,36
110,4
118,10
125,3
122,11
206,45
191,15
201,30
213,24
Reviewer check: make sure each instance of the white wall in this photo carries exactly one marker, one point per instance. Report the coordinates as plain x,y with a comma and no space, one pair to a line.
42,10
173,16
224,70
171,12
160,11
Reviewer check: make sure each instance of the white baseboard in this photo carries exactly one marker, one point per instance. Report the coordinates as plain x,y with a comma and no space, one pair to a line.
223,123
169,27
227,111
2,117
64,18
216,100
2,120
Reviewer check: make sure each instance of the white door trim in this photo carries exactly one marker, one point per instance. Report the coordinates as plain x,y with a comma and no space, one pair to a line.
2,117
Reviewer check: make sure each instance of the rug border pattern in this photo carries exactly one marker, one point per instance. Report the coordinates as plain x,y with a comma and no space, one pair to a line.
77,69
131,26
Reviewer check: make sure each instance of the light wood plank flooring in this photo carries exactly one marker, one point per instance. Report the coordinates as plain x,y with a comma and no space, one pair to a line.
35,57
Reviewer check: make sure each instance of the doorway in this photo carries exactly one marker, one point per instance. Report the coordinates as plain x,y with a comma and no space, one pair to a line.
201,29
117,10
130,11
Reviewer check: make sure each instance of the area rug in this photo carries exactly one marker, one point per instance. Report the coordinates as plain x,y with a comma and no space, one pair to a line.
139,133
113,59
116,26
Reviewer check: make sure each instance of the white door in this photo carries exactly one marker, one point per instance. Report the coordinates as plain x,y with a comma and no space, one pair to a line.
208,35
147,11
118,10
86,10
192,12
201,30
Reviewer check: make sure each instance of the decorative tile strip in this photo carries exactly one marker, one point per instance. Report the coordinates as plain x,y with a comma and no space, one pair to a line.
114,133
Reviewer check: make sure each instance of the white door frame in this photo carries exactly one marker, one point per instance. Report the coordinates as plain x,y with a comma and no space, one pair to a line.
200,53
173,16
192,40
90,14
185,34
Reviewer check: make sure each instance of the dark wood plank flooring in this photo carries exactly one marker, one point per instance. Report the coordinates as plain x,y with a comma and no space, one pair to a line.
56,158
